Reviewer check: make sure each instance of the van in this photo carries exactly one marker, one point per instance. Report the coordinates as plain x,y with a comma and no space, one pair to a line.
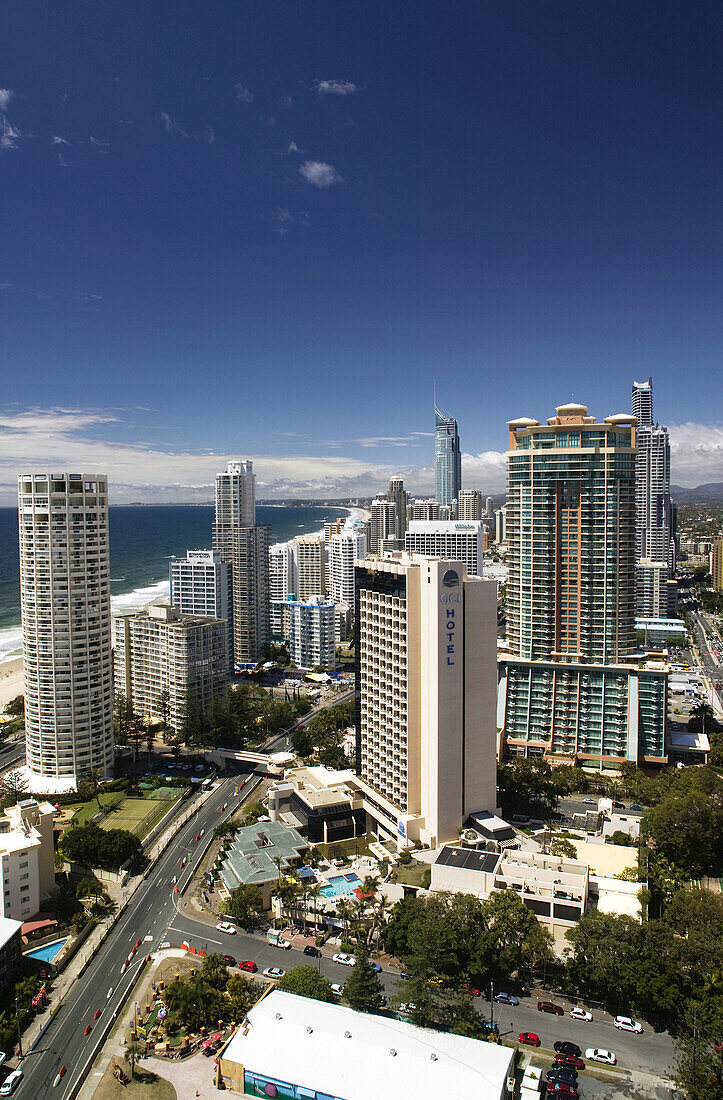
274,937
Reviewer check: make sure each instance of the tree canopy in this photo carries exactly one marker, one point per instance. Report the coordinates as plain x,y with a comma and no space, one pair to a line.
306,981
107,849
245,905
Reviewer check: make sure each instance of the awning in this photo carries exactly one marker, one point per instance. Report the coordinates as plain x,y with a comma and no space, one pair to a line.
42,920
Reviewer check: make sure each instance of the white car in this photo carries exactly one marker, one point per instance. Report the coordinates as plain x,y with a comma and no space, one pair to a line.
337,989
11,1082
274,972
597,1054
344,960
225,926
625,1023
581,1014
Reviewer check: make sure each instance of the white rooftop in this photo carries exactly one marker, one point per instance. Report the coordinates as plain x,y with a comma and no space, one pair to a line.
334,1050
8,928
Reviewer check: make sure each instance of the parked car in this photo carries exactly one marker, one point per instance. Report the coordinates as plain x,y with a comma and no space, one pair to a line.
248,966
11,1082
375,967
274,972
343,960
598,1054
229,960
626,1023
566,1047
507,999
571,1060
489,1029
313,951
561,1073
337,989
562,1088
403,974
578,1013
471,991
227,927
635,806
529,1038
550,1006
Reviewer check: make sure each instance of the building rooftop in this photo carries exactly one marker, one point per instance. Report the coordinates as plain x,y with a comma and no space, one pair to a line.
468,858
490,826
253,850
8,928
351,1055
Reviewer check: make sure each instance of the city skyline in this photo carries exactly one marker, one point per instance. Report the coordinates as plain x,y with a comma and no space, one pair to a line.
279,205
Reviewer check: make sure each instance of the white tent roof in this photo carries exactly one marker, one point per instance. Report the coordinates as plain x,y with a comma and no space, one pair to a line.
355,1055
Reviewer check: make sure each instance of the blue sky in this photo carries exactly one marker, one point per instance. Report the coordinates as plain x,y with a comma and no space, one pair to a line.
264,229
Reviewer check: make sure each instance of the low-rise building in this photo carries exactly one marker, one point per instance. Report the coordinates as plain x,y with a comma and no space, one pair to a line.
27,858
290,1046
251,859
554,889
322,803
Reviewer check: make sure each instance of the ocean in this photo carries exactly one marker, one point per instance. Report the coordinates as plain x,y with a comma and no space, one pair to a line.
143,539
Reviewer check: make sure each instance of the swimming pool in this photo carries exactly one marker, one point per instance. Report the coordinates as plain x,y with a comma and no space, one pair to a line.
48,951
340,884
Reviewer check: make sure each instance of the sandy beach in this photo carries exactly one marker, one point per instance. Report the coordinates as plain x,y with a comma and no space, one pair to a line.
11,680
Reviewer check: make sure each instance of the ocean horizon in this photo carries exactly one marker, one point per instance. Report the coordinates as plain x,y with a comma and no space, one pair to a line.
144,538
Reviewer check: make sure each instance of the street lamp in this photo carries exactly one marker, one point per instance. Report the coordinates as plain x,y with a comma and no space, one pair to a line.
17,1021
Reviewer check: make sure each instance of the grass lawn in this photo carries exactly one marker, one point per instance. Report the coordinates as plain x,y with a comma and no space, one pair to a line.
137,815
86,811
146,1086
412,874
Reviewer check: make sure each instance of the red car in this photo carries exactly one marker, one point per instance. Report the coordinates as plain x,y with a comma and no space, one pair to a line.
229,960
569,1060
550,1006
471,991
248,966
560,1088
529,1038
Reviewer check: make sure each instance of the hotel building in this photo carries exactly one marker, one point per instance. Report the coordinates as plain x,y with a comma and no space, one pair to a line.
448,538
310,555
426,650
65,610
571,681
282,584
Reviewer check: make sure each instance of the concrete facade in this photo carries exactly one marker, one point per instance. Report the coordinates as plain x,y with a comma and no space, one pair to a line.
65,610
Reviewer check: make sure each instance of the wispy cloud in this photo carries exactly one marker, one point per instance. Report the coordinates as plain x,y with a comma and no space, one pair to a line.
100,146
293,147
59,141
62,161
13,288
335,87
9,134
88,302
243,95
320,174
6,94
173,126
283,219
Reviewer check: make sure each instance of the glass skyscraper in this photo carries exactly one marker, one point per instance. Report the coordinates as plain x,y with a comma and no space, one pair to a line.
447,459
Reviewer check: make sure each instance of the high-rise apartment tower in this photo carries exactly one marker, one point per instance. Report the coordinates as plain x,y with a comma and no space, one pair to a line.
65,609
654,544
571,683
447,459
238,540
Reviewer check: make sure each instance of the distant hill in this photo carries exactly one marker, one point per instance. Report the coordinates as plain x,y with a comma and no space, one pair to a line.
711,493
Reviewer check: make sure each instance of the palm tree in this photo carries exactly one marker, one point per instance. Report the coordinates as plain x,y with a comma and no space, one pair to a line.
345,912
701,715
134,1053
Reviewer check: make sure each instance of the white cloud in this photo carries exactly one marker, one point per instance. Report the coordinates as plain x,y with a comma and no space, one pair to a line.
101,146
6,94
172,126
243,95
284,219
59,141
335,87
9,134
293,147
319,174
696,453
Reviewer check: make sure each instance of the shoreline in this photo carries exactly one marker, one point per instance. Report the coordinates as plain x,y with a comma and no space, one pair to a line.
11,667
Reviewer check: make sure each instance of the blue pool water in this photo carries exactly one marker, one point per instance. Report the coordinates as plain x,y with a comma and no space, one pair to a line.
340,884
48,951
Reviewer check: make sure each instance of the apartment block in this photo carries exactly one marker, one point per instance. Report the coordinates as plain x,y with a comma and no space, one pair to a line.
310,556
65,611
312,633
160,649
470,505
202,584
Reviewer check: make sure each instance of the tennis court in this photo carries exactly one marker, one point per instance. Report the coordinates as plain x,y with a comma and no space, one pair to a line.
137,815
